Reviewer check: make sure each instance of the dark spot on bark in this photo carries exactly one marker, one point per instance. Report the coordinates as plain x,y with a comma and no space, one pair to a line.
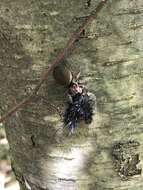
33,141
83,32
82,35
30,39
88,3
40,51
44,14
42,41
126,159
55,50
6,10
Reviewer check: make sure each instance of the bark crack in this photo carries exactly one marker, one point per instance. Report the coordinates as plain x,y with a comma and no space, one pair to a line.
66,179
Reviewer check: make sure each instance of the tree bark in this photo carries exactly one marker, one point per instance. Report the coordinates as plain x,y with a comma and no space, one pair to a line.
104,155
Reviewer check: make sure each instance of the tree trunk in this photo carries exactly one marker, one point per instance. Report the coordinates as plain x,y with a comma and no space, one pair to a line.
104,155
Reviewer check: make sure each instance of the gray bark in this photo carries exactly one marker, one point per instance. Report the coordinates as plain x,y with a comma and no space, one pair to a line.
109,57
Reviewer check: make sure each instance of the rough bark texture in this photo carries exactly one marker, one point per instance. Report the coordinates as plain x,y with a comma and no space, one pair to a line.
104,155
